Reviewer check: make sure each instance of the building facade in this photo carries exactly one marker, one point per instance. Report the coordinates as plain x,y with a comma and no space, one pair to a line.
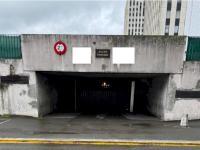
42,74
161,17
134,17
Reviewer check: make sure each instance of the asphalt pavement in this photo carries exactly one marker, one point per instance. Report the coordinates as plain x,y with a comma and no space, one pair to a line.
85,147
95,127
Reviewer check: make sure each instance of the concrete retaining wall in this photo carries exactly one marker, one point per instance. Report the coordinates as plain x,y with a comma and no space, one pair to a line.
47,96
191,75
175,108
157,96
17,99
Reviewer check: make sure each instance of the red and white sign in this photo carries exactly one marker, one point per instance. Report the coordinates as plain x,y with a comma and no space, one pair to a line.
60,48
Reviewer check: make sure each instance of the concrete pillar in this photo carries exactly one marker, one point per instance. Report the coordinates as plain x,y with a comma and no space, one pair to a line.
132,96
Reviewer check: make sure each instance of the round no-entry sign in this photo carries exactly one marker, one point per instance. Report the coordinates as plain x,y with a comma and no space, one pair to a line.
60,48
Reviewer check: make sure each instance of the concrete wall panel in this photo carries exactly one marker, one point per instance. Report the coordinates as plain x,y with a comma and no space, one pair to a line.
153,54
182,107
17,99
20,103
157,96
175,108
46,94
191,75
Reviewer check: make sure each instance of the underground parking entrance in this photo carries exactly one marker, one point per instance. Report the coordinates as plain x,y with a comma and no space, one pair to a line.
100,93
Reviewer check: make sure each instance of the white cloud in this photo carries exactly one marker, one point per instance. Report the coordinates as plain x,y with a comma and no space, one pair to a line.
70,17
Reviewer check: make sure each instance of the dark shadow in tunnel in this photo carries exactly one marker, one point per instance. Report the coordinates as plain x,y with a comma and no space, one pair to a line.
141,102
103,95
91,95
96,93
65,88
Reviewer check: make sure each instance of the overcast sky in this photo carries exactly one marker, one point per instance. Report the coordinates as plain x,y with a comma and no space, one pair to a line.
73,17
193,18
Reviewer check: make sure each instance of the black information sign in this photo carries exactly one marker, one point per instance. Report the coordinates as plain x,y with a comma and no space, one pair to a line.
102,53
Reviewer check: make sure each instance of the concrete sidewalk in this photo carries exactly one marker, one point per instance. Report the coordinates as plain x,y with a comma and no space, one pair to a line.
99,129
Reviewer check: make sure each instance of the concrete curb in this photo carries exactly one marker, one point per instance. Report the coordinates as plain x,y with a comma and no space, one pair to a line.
105,142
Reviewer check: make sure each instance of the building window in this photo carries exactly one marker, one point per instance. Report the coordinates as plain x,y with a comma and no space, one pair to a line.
132,32
129,14
128,31
167,21
178,14
168,14
167,29
129,9
129,20
169,5
143,11
129,25
176,30
177,22
178,7
130,2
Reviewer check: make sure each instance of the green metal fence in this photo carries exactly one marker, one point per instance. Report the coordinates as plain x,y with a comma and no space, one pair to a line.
10,47
193,49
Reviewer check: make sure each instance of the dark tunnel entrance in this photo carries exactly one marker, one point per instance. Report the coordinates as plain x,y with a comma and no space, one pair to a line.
94,93
103,95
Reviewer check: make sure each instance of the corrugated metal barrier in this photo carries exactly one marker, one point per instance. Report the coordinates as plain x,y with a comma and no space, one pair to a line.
10,47
193,49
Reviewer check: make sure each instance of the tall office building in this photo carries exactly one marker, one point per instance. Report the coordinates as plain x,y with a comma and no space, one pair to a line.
161,17
134,17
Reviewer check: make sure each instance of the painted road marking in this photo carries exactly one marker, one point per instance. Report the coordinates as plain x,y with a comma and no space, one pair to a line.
4,121
104,142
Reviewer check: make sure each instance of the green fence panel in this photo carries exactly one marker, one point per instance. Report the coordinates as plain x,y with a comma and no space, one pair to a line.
10,47
193,49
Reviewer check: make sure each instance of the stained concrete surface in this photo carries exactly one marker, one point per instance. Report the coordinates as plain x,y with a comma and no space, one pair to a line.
161,54
98,127
86,147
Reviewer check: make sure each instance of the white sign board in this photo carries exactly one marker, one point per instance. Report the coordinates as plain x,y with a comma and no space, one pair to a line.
81,55
123,55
